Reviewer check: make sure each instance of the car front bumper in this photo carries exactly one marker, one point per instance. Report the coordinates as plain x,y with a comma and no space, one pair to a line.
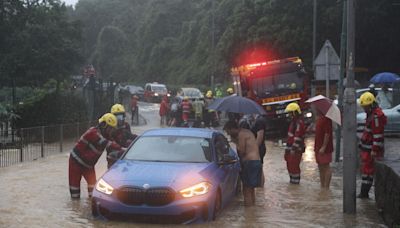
197,209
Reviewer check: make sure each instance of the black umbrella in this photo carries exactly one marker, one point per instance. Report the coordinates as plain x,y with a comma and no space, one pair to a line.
237,104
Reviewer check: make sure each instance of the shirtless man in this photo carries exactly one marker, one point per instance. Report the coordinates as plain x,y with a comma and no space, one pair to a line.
247,148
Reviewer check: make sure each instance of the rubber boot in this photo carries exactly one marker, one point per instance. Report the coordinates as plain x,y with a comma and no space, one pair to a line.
364,191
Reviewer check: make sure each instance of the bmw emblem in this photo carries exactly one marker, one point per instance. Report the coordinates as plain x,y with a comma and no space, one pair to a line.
146,186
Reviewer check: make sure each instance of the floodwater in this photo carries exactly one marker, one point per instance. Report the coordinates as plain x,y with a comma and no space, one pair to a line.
36,194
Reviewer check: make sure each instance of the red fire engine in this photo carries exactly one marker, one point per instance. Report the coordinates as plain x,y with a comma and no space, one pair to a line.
274,84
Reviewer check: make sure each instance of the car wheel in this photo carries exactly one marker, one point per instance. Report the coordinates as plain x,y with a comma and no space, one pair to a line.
94,209
217,205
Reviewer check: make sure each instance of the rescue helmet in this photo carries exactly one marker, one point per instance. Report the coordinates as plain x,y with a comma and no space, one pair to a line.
366,99
293,107
229,90
109,119
209,94
117,108
185,98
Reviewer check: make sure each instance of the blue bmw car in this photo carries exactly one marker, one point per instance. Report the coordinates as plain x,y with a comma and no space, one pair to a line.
170,175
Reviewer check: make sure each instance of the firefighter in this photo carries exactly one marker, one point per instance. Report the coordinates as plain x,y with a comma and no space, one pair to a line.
295,142
229,91
372,140
186,107
218,91
122,135
209,115
87,152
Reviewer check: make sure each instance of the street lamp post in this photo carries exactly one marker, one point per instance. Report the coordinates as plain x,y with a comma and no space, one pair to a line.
349,121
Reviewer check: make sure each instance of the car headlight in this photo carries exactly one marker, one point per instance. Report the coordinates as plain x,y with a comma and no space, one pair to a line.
103,187
156,94
309,114
196,190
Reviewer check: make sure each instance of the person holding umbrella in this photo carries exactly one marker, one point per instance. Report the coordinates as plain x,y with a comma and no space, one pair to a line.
372,140
384,98
251,172
326,112
295,146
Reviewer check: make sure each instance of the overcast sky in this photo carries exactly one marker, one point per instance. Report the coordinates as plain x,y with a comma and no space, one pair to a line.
70,2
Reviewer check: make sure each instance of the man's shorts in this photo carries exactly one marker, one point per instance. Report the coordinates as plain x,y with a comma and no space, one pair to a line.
251,173
323,159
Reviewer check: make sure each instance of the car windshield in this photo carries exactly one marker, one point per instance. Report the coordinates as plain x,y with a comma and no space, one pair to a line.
159,88
191,92
277,84
170,149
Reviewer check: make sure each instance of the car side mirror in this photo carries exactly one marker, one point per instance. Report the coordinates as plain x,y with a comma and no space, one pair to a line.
228,160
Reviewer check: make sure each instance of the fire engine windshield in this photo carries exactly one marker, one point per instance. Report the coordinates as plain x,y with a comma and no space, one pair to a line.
275,85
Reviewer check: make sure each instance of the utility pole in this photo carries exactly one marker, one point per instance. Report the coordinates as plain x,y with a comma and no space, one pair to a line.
213,45
342,73
349,123
314,47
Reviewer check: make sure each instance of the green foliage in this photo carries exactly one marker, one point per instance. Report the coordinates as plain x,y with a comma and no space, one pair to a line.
48,108
37,42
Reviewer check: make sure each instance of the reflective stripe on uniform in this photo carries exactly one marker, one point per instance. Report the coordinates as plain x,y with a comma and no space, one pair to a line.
378,136
366,182
91,146
298,139
378,144
295,175
79,160
296,145
366,146
102,139
76,195
376,121
74,188
290,134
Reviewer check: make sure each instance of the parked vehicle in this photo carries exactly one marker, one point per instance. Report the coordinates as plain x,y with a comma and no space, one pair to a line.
170,175
191,93
393,120
153,92
135,90
359,92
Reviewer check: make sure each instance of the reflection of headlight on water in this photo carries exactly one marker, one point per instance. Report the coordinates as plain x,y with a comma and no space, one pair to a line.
309,114
156,94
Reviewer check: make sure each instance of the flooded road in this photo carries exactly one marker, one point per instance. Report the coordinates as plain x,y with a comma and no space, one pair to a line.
36,194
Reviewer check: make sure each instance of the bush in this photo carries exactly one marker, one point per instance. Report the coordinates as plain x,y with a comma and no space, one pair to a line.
51,108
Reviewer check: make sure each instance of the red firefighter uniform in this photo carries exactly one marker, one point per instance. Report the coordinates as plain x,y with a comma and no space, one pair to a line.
295,148
185,109
83,158
371,146
123,137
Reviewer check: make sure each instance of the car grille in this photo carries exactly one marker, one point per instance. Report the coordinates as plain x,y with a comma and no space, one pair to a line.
151,196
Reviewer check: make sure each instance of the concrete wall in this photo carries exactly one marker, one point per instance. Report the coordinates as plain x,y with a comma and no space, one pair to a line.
387,191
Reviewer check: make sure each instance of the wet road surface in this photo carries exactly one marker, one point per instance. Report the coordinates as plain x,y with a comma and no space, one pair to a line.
36,194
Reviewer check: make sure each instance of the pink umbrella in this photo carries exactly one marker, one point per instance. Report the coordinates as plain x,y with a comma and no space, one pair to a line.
327,108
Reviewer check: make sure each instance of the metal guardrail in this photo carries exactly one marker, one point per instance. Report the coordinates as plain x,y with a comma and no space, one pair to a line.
29,144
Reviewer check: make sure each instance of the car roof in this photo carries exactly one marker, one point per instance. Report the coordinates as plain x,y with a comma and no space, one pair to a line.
155,84
190,132
190,88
